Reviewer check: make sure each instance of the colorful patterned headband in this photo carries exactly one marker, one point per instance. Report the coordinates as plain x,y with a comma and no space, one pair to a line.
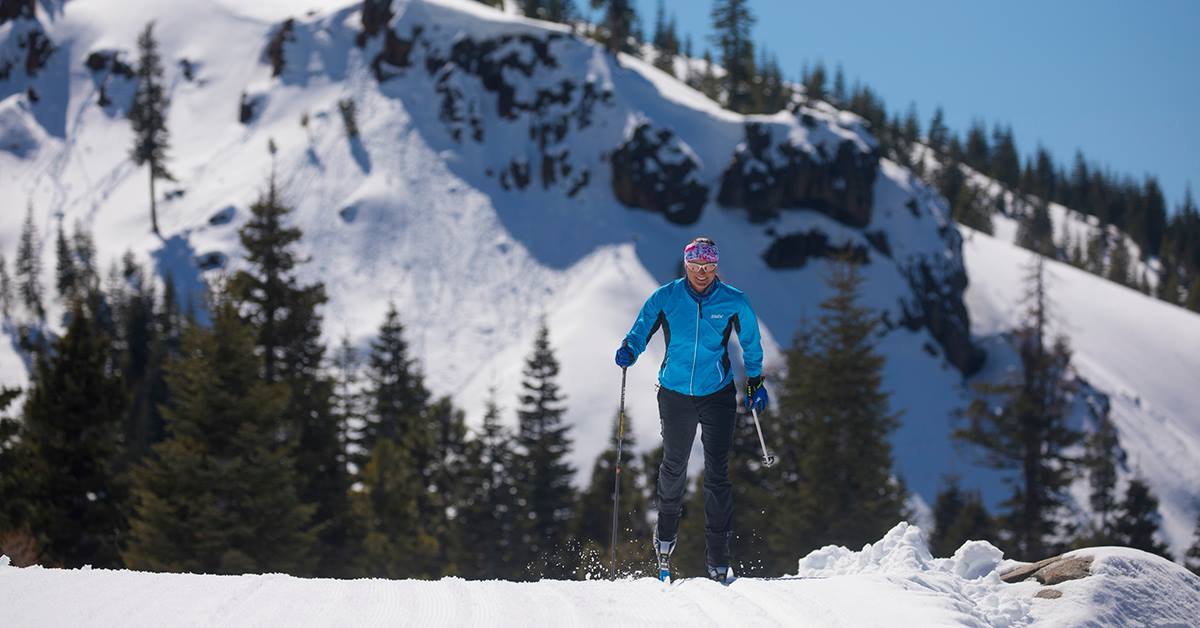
700,251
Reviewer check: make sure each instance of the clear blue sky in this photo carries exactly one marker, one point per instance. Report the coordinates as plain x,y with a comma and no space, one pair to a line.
1118,79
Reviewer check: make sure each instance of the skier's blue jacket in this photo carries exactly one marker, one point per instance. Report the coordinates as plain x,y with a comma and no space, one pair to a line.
696,328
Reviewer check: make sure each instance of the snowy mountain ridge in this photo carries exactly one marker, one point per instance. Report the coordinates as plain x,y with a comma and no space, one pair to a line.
506,169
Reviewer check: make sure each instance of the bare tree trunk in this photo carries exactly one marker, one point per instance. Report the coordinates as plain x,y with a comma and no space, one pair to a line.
153,209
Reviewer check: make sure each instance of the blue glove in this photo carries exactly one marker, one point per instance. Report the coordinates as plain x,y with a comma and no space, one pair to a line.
625,357
756,394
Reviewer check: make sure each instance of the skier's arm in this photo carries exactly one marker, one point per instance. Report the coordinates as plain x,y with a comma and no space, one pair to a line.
750,340
648,321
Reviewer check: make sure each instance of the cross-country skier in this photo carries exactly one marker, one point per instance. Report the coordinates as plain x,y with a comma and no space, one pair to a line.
697,314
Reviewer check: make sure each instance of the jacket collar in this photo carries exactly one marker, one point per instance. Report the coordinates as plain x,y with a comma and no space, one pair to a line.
701,296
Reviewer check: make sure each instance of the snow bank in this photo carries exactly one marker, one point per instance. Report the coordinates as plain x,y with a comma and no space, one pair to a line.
893,582
969,581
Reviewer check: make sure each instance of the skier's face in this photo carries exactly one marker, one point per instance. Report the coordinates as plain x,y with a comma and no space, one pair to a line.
700,275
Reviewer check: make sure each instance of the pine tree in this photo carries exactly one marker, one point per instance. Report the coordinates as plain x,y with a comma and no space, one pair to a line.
219,494
541,470
1020,424
66,273
449,477
396,390
6,289
839,93
815,86
619,18
29,268
141,356
666,41
348,402
1192,558
1096,249
17,540
490,516
1036,231
73,423
1102,457
550,10
834,423
593,519
939,135
148,116
285,316
1138,522
708,84
396,543
732,21
1193,296
1118,263
958,516
398,421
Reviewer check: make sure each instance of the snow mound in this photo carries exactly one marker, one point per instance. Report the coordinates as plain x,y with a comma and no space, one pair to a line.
967,582
1127,587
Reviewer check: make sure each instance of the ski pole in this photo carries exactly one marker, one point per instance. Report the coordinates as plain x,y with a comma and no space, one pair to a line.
617,474
768,457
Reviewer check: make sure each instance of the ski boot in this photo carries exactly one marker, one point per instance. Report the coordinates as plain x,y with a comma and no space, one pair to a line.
662,551
723,575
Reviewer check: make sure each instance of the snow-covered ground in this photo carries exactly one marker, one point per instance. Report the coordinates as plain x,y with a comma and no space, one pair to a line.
407,213
893,582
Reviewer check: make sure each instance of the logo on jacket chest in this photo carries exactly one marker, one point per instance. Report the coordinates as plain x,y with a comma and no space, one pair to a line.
716,316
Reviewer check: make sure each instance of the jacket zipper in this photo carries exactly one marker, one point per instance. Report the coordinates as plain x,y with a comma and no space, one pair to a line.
695,348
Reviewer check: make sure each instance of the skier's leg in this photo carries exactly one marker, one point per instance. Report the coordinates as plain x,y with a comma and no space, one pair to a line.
677,416
718,413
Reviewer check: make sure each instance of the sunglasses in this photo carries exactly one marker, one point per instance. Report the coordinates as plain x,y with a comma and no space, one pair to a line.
696,268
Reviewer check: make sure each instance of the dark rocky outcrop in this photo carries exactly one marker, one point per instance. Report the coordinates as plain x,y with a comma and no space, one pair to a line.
107,69
938,306
13,9
765,176
396,53
654,170
275,47
33,47
1049,594
794,250
375,16
472,74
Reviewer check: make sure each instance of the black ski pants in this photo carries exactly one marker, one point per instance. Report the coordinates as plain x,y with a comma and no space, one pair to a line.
679,415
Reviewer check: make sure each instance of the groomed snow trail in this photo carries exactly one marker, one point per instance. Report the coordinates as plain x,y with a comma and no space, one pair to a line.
893,582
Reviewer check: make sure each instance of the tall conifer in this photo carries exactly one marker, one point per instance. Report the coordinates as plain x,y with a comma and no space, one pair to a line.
732,21
73,425
219,494
148,117
286,318
1019,424
542,471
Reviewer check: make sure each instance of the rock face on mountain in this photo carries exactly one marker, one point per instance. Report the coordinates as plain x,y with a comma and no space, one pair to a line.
27,48
656,170
827,168
506,78
938,306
